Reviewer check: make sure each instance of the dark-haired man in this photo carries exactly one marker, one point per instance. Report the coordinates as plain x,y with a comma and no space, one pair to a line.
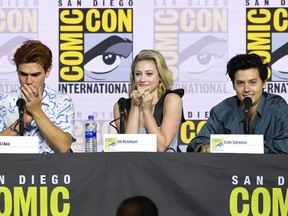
268,114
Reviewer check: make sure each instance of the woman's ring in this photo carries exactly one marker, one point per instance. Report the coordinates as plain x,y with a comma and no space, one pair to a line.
36,94
29,99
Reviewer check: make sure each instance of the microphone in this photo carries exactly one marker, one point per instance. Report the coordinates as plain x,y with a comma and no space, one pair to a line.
122,106
247,102
21,107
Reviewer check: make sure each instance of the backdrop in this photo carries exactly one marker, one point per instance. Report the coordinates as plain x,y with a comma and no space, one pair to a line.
196,37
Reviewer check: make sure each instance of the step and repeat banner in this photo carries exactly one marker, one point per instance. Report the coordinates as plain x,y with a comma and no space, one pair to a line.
197,38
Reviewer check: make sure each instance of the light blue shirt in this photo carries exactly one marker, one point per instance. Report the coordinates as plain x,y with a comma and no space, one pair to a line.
56,105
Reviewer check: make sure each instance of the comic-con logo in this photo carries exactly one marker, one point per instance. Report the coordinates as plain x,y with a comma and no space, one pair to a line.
95,44
16,25
267,36
193,42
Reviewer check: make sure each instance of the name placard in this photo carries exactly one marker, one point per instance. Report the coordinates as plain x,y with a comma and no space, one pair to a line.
237,143
130,143
19,144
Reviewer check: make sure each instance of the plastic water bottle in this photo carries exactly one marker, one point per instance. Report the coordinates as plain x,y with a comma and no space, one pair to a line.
90,135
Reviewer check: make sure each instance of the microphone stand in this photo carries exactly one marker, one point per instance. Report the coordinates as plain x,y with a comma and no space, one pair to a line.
122,105
21,124
121,122
247,128
21,106
247,102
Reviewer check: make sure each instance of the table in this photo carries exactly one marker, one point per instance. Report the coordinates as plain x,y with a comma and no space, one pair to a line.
179,183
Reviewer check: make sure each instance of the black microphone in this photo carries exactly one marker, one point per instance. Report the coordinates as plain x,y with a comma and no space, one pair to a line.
21,107
247,102
122,106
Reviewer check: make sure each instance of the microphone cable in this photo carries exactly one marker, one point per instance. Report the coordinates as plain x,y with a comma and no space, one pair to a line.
110,123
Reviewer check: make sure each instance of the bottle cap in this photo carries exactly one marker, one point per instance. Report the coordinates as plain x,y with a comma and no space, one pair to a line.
90,117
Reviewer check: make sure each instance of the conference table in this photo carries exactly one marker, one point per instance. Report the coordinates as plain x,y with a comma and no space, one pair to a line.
179,183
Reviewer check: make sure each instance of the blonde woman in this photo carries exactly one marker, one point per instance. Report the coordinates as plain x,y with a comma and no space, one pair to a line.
152,107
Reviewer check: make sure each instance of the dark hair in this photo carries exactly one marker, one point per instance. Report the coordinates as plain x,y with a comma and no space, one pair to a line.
137,206
33,51
247,61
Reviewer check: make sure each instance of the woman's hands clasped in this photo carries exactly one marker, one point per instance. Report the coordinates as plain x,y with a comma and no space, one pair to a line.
143,98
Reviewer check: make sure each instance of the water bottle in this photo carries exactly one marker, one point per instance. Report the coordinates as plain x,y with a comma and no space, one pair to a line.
90,135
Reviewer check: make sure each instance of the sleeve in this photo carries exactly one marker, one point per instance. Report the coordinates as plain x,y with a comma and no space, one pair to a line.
65,115
2,122
214,125
3,111
279,141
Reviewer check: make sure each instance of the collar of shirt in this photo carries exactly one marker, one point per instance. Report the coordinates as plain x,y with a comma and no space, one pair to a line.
259,109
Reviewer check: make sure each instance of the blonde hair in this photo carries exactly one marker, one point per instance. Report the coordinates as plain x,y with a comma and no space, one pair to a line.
161,66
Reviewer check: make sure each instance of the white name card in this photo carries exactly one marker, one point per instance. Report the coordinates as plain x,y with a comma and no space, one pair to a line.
237,143
130,143
19,144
